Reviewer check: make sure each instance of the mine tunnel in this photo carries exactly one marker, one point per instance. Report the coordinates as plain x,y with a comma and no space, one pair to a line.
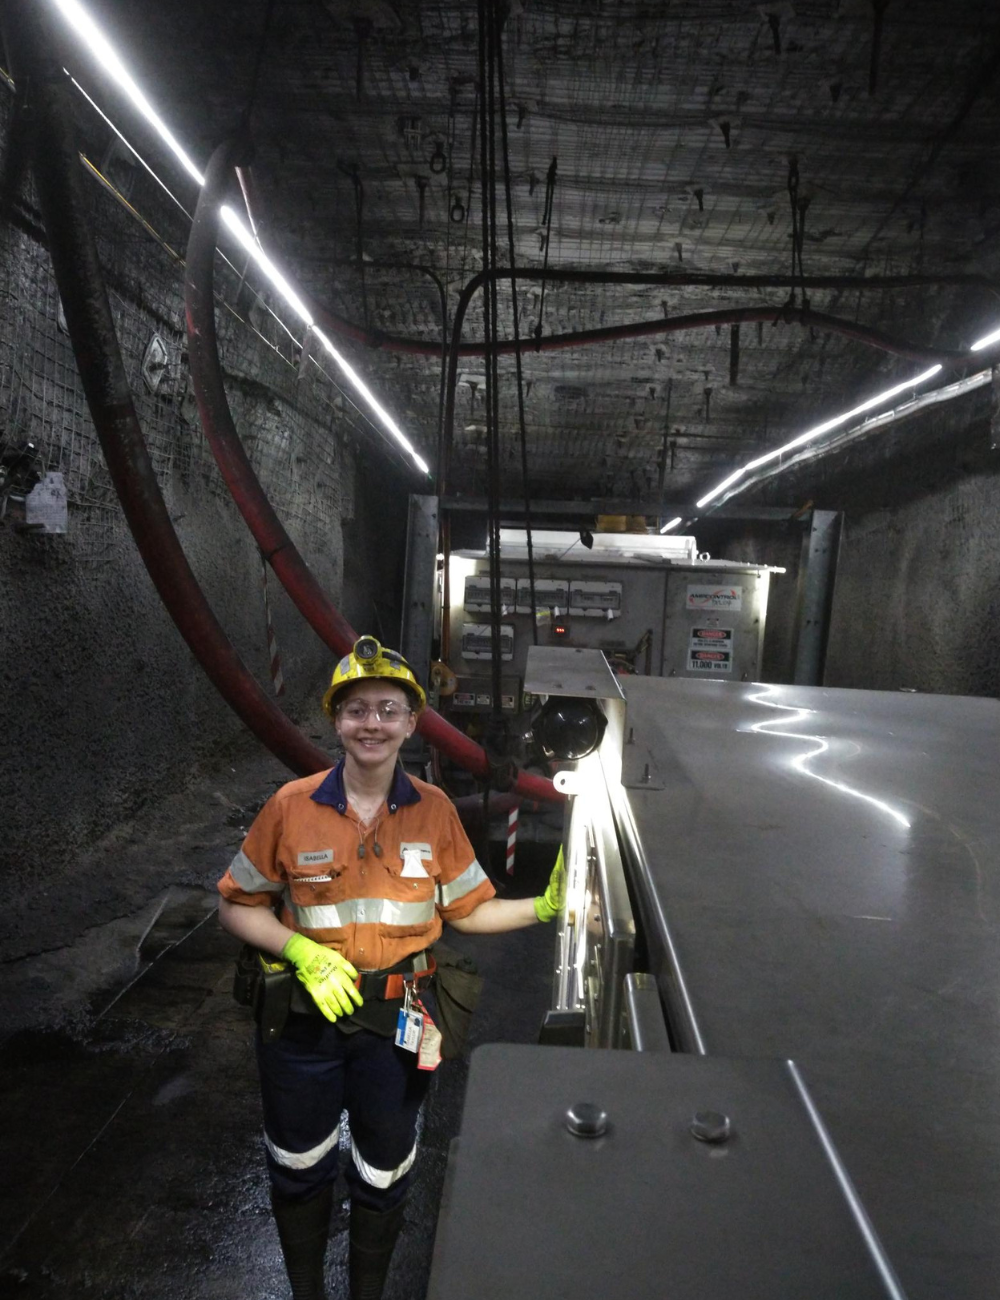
500,628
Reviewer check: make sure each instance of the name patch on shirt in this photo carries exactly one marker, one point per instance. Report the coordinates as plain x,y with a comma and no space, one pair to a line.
316,858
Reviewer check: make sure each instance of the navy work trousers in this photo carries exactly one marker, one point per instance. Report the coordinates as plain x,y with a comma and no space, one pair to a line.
309,1076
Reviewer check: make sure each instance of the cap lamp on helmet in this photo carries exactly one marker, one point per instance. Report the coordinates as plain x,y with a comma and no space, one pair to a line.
371,661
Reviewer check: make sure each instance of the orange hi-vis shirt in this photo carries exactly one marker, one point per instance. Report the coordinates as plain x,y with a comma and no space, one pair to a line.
301,857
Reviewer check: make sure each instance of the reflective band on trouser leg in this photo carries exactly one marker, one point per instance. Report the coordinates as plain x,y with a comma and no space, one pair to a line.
302,1159
383,1179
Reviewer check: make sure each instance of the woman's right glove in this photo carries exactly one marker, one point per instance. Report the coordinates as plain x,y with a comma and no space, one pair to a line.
551,903
328,977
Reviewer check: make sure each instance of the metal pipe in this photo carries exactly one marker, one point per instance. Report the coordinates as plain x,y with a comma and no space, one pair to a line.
278,548
102,373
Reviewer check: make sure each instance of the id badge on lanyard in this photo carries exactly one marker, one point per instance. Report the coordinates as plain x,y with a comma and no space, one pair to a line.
410,1021
416,1031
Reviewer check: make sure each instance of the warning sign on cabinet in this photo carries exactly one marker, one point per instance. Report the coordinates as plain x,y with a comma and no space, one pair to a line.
713,597
711,650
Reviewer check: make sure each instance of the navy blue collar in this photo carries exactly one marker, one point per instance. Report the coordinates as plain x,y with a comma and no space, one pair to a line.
331,790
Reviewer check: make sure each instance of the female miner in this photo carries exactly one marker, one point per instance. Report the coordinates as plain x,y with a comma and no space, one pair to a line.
348,875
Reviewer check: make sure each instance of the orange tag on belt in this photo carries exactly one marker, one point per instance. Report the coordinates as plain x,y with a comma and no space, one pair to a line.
429,1055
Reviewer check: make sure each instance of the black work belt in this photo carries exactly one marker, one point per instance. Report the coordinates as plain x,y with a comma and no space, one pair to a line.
391,984
268,985
387,985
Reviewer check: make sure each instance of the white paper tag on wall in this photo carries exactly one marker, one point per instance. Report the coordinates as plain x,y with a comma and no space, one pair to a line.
45,506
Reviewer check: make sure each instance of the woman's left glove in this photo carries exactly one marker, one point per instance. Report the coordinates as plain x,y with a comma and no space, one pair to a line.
328,977
549,905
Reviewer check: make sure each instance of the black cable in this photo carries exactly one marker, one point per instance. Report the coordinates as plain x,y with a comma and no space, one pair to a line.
493,362
517,338
258,63
359,215
472,171
793,199
489,336
550,191
803,207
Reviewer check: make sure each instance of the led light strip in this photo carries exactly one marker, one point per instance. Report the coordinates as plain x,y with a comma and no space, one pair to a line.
817,432
828,425
97,43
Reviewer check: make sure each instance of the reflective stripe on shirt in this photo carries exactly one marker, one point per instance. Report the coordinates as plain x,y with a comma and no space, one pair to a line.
472,876
250,879
360,911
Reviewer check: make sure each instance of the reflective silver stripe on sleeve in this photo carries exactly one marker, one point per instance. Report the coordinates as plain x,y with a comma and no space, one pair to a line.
381,1178
362,911
302,1159
250,879
472,876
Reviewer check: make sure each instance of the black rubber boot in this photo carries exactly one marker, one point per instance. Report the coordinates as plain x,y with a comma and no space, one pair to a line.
373,1237
303,1230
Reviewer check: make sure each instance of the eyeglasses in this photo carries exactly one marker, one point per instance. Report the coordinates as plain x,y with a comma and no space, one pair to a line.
384,710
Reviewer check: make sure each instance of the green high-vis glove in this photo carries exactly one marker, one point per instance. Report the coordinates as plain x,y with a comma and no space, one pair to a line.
328,977
551,903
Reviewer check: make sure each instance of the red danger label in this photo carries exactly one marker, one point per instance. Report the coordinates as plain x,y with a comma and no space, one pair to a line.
711,633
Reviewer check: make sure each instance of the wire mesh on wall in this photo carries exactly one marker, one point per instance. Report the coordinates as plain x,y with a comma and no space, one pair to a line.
297,425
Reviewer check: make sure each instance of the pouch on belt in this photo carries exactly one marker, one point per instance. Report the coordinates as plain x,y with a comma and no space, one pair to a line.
457,986
264,984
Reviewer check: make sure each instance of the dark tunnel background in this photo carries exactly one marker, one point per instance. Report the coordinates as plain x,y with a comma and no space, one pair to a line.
127,782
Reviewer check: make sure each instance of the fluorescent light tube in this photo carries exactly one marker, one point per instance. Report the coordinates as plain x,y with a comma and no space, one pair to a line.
100,47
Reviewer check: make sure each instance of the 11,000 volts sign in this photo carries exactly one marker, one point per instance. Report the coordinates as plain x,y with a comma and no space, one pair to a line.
711,650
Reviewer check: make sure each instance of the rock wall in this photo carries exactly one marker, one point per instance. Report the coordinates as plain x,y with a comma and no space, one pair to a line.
105,708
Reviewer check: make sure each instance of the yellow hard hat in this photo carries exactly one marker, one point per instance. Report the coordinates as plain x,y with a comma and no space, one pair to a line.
369,660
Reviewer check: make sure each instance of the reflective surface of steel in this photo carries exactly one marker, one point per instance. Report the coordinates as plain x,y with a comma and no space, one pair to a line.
827,864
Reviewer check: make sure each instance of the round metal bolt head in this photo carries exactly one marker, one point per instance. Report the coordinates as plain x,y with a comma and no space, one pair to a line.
711,1126
586,1120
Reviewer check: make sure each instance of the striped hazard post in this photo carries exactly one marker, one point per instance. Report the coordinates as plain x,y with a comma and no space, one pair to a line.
511,837
273,655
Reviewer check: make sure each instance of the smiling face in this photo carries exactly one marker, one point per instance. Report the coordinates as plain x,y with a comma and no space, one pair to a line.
373,743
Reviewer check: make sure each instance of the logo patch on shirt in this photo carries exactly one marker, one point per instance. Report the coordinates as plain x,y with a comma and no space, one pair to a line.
415,846
412,865
316,858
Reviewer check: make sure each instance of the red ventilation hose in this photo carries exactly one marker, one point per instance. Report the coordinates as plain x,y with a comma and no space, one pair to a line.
234,465
694,320
102,372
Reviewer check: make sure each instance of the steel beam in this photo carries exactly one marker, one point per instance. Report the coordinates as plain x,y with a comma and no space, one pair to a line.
687,510
814,597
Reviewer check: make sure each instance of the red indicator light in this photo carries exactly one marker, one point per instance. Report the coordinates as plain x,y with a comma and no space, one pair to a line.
560,630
